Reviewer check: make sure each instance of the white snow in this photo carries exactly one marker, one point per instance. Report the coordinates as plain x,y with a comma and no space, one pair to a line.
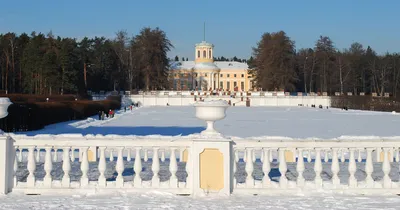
157,200
240,122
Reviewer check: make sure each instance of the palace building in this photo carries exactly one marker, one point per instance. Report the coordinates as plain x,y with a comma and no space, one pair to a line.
206,74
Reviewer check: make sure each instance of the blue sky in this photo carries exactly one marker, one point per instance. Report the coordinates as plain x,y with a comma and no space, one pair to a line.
234,27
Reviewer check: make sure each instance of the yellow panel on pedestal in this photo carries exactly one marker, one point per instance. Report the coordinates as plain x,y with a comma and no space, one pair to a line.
211,170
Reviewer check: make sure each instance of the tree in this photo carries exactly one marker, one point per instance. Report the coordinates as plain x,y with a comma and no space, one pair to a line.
183,59
151,47
274,62
176,58
325,55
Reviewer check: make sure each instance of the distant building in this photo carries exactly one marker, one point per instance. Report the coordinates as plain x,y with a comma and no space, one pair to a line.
205,74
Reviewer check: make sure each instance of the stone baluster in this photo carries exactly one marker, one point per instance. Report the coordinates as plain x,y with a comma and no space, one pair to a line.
111,155
309,159
300,168
20,155
318,168
271,159
335,168
352,169
326,155
85,167
369,168
253,156
15,168
55,155
387,181
283,181
181,151
249,168
359,159
163,155
189,168
266,167
128,155
155,167
119,167
173,168
137,167
48,166
37,155
102,167
235,167
72,155
146,156
342,159
30,181
66,167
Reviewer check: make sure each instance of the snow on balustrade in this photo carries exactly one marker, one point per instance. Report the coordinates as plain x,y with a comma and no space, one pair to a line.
42,165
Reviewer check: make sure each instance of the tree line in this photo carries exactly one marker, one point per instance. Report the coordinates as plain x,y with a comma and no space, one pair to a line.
276,64
44,64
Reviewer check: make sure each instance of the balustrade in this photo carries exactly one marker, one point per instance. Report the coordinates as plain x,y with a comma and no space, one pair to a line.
267,165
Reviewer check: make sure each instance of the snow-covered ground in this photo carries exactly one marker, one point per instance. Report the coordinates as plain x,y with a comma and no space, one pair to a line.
156,200
293,122
243,122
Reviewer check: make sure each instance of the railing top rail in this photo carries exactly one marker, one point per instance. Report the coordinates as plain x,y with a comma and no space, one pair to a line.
121,142
305,143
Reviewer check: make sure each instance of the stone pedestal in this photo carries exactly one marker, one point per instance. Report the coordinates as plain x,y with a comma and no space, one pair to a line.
7,157
212,171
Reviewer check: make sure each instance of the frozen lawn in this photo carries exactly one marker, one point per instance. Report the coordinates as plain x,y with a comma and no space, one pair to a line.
294,122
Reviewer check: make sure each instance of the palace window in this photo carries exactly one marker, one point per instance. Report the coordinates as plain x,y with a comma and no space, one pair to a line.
221,75
221,85
205,74
209,54
234,84
227,75
228,84
198,53
242,85
204,54
242,75
234,75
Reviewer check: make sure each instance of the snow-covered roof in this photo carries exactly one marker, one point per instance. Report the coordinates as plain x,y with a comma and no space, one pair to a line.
181,65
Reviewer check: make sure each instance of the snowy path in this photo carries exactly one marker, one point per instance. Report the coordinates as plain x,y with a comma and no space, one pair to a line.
155,200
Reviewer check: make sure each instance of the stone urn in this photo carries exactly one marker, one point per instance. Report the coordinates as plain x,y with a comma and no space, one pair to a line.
4,104
211,111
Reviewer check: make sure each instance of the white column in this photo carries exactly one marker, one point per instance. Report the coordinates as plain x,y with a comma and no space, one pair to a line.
318,168
335,168
119,167
266,167
283,181
369,168
102,167
387,181
48,166
352,169
173,168
30,181
155,167
300,168
137,167
249,168
66,166
85,167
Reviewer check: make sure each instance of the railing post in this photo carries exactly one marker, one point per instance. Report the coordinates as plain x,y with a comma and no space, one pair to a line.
7,157
212,164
